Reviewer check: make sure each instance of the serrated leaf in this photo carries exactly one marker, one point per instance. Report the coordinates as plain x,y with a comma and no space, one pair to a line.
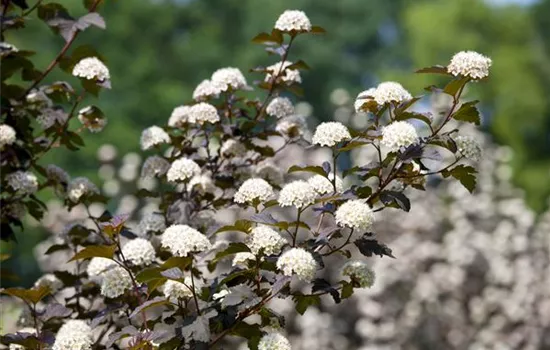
239,226
352,145
347,290
305,301
454,86
148,304
468,112
414,115
31,296
310,169
176,261
437,69
369,247
464,174
320,284
95,251
317,30
264,38
395,199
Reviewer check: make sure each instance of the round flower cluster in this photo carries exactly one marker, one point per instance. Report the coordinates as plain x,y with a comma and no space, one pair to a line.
154,166
293,20
399,134
7,135
206,89
390,92
330,133
139,251
57,175
354,214
49,280
280,107
80,186
182,169
269,171
360,272
252,190
468,147
229,77
152,137
240,259
202,183
265,239
281,72
179,116
115,281
151,223
23,181
92,118
50,116
74,335
470,64
322,185
98,266
233,148
91,68
181,240
178,290
297,193
362,98
26,330
203,113
299,262
292,126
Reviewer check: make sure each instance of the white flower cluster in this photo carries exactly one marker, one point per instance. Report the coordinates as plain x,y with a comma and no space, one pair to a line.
354,214
179,116
7,135
322,185
202,113
468,147
232,147
293,20
23,181
92,118
241,259
263,238
360,272
281,71
49,116
269,171
73,335
139,251
292,126
182,169
297,193
280,107
229,77
151,223
91,68
154,166
299,262
362,98
115,282
274,341
49,280
57,175
252,190
98,266
177,290
80,186
207,88
399,134
182,240
390,91
330,133
153,136
469,64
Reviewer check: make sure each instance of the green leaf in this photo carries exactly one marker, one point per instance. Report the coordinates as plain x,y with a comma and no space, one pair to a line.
317,30
31,296
176,261
347,290
298,65
264,38
437,69
468,112
310,169
395,199
94,251
149,274
239,226
464,174
413,115
455,85
305,301
148,304
352,145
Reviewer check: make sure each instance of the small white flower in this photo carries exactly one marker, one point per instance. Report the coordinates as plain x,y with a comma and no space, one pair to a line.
330,133
298,193
263,238
92,118
7,135
182,240
354,214
269,171
292,126
363,97
139,251
390,91
293,20
233,148
23,181
360,272
252,190
179,116
115,282
154,166
322,185
208,88
57,175
91,68
203,113
299,262
283,73
80,186
151,223
229,77
202,183
74,335
182,169
50,116
49,280
399,134
177,290
468,147
470,64
98,266
153,136
280,107
241,259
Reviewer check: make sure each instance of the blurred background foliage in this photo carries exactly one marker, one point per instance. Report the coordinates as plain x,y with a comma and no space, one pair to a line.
159,50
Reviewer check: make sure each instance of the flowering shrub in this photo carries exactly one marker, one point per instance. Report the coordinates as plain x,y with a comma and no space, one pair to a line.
170,283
